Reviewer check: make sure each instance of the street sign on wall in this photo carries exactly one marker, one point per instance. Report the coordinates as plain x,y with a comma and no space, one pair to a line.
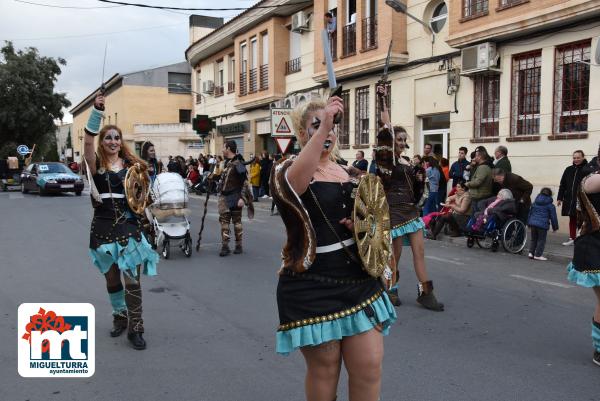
281,122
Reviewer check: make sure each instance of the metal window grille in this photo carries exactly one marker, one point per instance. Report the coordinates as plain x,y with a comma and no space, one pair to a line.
369,33
243,84
333,44
388,99
361,133
525,107
292,66
253,81
344,126
487,105
509,3
474,7
264,77
218,91
349,38
230,87
571,87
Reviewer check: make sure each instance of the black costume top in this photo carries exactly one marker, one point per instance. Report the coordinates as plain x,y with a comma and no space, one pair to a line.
403,191
335,283
586,256
113,221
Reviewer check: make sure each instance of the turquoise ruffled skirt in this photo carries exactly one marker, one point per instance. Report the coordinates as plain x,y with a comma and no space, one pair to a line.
408,228
127,257
350,325
582,278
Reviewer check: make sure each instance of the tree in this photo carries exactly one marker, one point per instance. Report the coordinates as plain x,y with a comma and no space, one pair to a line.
68,143
28,104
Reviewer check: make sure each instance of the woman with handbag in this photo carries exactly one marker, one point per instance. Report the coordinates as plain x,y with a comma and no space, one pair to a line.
404,186
329,306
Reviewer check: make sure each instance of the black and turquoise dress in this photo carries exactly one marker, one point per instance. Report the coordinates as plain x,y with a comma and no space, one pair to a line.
116,235
335,297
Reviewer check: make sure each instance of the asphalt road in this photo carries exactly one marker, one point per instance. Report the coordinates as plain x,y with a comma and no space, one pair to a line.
512,330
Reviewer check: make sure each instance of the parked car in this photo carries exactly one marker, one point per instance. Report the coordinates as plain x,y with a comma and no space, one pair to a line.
50,177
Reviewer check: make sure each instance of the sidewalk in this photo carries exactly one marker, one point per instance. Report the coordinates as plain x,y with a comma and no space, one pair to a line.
554,251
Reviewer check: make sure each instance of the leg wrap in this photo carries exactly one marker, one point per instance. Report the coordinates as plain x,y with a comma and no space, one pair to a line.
224,219
236,217
596,335
133,298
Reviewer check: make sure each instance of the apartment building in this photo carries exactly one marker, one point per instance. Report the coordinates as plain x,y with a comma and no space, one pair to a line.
153,104
468,73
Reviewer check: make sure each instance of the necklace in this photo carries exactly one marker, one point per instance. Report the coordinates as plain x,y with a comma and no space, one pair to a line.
332,171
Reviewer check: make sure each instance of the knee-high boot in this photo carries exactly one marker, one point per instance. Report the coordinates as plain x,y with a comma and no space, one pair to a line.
133,298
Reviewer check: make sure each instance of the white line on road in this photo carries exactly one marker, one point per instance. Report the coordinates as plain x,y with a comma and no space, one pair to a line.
537,280
453,262
16,195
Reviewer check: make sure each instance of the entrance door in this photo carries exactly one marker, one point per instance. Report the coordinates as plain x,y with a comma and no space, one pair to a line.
436,131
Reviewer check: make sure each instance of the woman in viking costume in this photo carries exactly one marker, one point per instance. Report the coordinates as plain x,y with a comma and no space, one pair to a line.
584,270
118,247
155,166
404,186
329,307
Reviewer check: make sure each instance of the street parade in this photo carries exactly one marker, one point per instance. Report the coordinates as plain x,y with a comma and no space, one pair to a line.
270,214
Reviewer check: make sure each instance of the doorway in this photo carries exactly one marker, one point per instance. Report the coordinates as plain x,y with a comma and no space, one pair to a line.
435,130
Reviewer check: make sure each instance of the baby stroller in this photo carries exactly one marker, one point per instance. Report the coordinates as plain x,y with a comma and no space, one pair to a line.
168,213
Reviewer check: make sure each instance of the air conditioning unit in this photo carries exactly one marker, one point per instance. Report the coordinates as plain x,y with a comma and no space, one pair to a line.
208,87
481,57
299,22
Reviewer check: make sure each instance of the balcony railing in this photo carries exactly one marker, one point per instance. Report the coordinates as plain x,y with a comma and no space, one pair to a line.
333,44
349,40
230,87
293,66
198,98
264,77
218,91
243,84
369,33
253,81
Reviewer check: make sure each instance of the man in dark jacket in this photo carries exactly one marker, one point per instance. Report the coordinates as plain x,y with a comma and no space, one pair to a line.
360,163
458,167
567,192
266,162
594,165
520,188
502,162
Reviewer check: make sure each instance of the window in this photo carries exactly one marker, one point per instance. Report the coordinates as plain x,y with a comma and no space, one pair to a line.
571,87
243,69
438,19
185,116
179,82
253,65
265,48
198,87
344,126
525,108
362,116
510,3
487,105
219,77
349,30
231,74
350,12
473,8
264,66
388,99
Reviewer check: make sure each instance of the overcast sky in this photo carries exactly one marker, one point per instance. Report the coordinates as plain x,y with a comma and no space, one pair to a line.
153,37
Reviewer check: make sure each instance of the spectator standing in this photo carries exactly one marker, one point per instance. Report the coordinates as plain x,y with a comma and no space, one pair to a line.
433,175
567,192
593,165
541,215
266,162
255,177
427,150
457,169
373,165
330,23
480,185
502,162
360,162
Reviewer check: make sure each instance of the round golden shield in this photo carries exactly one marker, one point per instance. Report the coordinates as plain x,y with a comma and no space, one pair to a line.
372,225
137,188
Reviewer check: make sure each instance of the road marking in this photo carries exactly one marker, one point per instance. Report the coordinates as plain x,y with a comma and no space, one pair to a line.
537,280
452,262
15,195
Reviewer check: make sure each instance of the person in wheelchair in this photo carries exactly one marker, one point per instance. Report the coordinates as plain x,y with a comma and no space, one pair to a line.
498,209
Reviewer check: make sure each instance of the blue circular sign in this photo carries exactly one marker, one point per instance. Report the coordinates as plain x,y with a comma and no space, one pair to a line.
23,150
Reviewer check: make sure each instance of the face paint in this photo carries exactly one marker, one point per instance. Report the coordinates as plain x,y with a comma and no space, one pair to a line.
112,135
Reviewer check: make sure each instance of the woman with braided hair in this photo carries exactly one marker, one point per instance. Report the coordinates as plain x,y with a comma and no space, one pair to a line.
118,247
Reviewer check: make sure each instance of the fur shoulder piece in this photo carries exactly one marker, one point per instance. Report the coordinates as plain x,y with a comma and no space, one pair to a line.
298,252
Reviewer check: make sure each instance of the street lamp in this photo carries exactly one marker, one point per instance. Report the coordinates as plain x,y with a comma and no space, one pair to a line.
401,8
188,88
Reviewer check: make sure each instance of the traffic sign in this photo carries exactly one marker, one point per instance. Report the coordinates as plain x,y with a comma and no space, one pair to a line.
283,143
23,150
281,122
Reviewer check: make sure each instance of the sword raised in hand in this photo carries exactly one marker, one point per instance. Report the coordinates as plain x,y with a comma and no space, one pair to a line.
334,89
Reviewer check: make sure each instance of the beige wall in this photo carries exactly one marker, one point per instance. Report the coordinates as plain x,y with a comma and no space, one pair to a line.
129,105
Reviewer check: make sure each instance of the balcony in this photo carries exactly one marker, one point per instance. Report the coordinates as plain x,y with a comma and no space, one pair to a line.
293,66
264,77
198,98
243,84
333,44
230,87
253,81
218,91
369,33
349,40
